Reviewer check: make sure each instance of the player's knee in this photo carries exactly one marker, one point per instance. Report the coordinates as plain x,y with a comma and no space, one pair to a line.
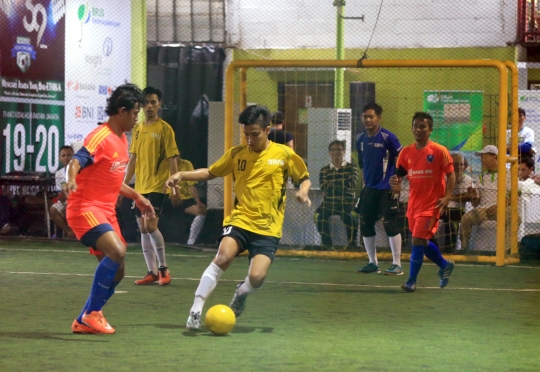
256,280
391,228
367,228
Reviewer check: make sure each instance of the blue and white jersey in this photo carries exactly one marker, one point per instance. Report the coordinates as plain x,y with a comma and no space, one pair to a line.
377,157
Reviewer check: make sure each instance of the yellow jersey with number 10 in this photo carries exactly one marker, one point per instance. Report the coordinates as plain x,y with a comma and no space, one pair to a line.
260,182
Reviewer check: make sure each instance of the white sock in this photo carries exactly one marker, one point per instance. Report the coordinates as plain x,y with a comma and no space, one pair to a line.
395,246
246,287
208,283
159,246
148,252
195,229
371,249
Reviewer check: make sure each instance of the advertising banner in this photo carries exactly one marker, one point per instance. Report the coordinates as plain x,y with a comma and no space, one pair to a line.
32,96
98,59
529,100
457,118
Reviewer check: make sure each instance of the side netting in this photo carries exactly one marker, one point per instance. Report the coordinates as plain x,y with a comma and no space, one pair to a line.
469,101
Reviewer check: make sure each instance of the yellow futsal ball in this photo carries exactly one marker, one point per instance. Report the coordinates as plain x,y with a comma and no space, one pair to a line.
220,319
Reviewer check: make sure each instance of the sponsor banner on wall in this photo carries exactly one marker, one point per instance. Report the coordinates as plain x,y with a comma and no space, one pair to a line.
529,100
98,59
457,118
32,96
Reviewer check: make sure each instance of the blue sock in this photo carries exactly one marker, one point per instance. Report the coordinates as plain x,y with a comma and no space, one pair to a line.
434,254
111,290
101,286
417,258
79,318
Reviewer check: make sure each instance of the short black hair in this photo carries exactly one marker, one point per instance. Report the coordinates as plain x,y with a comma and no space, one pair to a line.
521,111
337,142
124,96
277,118
255,114
66,147
373,106
151,90
423,116
529,161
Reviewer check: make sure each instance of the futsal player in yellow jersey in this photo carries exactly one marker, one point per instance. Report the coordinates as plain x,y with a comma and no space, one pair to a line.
153,154
260,170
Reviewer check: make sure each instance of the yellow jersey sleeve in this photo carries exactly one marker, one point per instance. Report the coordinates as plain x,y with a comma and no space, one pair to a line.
135,139
171,149
225,164
297,167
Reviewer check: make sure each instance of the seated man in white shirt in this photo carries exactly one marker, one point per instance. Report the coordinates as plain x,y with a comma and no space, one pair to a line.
484,196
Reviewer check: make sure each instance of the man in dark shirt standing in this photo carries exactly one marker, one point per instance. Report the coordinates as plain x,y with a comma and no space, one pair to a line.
338,184
277,133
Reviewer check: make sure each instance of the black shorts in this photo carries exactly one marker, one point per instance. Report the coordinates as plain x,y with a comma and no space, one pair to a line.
375,203
186,203
156,198
252,242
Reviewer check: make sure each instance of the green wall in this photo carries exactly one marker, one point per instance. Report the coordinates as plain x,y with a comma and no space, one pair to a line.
138,42
399,91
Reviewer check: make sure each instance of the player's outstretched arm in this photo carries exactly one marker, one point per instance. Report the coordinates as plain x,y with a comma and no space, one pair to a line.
302,193
201,174
140,201
72,170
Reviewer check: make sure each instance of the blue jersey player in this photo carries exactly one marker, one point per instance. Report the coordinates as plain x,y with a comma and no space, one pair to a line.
378,149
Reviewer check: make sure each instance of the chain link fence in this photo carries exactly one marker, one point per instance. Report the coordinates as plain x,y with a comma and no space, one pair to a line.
61,59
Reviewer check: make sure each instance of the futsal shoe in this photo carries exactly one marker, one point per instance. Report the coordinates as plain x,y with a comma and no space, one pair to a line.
194,321
238,302
444,274
97,322
164,275
370,268
409,287
148,279
394,270
77,327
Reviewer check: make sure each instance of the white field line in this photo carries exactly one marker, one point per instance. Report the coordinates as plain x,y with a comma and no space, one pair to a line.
85,251
299,283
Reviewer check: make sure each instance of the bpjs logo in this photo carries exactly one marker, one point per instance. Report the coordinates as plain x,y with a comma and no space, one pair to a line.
82,112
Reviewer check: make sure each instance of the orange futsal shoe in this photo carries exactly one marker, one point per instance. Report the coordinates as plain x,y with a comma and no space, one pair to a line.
97,322
164,275
77,327
148,279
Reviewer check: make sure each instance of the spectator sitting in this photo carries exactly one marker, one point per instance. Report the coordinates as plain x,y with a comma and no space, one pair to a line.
277,133
456,206
58,209
525,137
191,204
526,174
338,183
483,195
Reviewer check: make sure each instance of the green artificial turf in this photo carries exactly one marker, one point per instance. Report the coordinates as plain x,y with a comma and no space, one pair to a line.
311,315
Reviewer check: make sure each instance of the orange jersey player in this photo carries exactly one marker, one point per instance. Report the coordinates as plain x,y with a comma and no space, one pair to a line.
94,181
430,170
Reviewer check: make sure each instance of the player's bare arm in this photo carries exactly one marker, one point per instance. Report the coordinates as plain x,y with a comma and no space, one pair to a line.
176,200
72,170
450,183
302,193
141,202
201,174
130,171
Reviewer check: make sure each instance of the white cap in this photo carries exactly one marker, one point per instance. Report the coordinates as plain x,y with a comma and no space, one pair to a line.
489,149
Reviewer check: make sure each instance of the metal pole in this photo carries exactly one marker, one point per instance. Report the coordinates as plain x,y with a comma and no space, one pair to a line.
340,54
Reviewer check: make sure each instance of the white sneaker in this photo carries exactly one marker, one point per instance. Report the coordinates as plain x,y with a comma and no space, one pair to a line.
194,321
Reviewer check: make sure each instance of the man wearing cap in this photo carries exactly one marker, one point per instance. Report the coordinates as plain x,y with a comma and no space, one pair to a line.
484,195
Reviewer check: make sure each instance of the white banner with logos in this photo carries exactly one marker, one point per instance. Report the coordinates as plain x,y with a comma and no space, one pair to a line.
98,59
529,100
